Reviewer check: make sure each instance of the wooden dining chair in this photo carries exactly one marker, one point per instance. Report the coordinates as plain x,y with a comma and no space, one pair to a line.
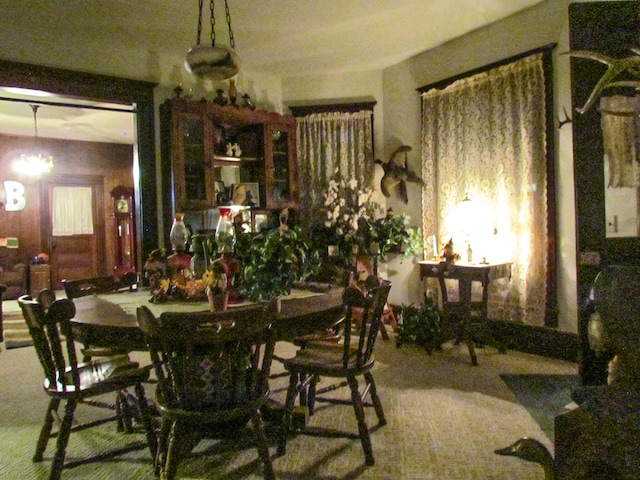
213,377
351,359
83,287
94,285
77,382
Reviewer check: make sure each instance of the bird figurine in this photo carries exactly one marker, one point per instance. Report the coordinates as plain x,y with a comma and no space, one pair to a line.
449,254
531,450
397,173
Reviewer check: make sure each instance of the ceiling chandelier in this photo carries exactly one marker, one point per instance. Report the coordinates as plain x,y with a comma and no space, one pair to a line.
211,61
34,164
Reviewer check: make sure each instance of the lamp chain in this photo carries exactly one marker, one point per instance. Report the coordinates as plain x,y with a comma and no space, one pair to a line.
35,122
199,22
226,9
213,25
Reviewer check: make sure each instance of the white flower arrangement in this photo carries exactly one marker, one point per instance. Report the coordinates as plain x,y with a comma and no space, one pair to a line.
349,207
355,222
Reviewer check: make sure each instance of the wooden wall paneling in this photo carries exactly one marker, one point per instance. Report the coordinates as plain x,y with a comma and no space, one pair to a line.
112,162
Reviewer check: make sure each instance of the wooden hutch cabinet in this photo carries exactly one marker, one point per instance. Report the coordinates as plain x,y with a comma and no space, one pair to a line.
213,149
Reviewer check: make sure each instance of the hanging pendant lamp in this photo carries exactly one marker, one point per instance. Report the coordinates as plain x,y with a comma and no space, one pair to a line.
34,163
211,61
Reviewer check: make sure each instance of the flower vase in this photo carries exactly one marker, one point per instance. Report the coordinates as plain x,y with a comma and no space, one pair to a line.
218,301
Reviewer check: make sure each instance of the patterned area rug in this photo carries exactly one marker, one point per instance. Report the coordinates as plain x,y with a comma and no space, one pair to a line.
444,420
544,396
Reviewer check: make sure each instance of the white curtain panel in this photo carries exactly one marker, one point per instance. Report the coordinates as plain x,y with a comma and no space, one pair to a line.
72,211
327,142
620,136
484,136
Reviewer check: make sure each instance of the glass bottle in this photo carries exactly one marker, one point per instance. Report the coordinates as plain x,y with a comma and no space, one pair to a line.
226,241
225,231
179,235
180,262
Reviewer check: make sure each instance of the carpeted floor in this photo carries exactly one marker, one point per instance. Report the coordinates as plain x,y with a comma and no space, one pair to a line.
444,417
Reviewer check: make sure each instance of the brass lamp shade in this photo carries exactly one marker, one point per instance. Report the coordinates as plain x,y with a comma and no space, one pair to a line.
215,63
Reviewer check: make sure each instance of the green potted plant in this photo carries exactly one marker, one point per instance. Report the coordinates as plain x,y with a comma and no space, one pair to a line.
420,325
274,261
393,234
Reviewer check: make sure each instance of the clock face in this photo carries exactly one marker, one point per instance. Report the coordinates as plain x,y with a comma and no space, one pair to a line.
122,205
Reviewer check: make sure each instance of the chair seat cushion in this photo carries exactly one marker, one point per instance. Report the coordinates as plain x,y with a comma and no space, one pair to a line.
212,414
325,359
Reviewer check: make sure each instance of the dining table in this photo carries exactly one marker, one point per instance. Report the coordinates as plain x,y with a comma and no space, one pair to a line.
109,320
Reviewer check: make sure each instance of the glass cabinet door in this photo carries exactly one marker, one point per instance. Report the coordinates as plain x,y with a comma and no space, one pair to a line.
280,177
196,173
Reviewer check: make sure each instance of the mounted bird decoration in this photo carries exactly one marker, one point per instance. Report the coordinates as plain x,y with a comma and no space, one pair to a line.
397,174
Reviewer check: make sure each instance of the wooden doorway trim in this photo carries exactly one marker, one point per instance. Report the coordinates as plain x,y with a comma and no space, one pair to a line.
104,88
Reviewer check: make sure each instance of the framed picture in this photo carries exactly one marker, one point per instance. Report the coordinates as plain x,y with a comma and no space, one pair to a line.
260,222
247,194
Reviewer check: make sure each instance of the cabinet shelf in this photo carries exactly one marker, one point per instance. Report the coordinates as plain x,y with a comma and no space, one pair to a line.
235,160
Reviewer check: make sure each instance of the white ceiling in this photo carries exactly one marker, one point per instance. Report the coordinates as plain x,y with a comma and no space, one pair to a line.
286,38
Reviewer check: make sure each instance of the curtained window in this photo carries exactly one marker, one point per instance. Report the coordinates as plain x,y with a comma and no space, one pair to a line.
72,212
330,141
620,127
484,136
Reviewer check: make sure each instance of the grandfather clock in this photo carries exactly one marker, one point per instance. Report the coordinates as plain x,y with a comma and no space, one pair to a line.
124,230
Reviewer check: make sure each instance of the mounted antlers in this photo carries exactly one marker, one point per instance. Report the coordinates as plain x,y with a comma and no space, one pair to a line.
616,66
566,119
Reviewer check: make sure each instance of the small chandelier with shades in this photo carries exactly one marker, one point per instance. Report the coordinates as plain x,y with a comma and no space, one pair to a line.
210,61
34,164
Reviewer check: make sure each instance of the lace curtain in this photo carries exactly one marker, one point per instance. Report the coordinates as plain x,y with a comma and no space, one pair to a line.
484,136
620,136
72,213
326,142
